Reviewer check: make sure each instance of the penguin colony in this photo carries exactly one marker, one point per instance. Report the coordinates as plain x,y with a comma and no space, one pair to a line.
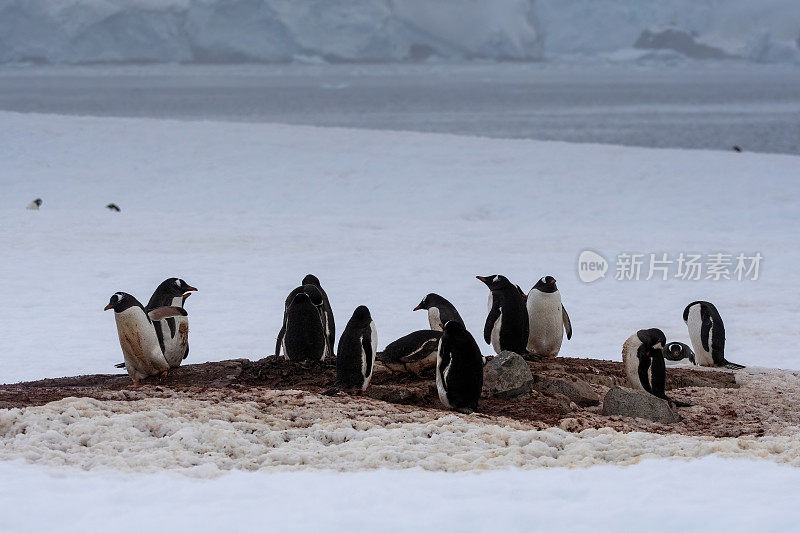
155,338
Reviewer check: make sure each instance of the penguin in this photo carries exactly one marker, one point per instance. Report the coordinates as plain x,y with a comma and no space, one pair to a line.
34,205
355,355
415,352
459,369
330,325
707,333
547,318
113,207
440,311
173,333
677,351
507,325
643,357
137,335
302,335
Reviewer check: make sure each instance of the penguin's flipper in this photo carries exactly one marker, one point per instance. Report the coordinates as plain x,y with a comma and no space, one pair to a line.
644,366
705,328
494,314
160,313
567,323
420,353
120,365
444,355
366,345
658,376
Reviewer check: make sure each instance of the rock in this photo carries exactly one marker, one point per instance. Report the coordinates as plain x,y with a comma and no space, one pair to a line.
507,376
639,404
391,394
576,390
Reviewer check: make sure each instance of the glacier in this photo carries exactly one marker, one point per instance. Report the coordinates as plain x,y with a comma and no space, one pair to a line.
216,31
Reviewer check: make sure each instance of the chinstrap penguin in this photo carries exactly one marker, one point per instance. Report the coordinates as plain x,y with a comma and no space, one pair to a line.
137,335
34,205
302,336
507,325
643,357
707,333
355,355
459,369
330,325
678,351
440,311
547,318
415,352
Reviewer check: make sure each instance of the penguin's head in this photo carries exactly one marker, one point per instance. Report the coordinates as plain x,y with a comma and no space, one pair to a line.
311,279
361,315
38,202
495,281
313,294
120,301
175,287
653,340
676,351
546,284
429,301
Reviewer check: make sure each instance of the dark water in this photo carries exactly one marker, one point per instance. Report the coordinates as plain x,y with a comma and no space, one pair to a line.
702,106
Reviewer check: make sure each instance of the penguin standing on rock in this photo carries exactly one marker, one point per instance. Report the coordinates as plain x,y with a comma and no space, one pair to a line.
137,335
643,357
355,356
707,333
507,325
440,311
330,326
548,319
302,335
459,369
415,352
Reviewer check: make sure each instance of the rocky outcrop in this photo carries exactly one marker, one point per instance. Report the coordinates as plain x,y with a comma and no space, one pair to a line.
622,401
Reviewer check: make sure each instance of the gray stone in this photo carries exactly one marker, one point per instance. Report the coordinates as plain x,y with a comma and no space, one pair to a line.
575,389
639,404
507,376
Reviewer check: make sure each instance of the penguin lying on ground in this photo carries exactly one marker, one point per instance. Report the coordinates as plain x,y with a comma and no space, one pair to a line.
440,311
302,335
707,333
35,205
678,351
172,333
355,356
507,325
459,369
137,335
415,352
330,325
547,318
643,357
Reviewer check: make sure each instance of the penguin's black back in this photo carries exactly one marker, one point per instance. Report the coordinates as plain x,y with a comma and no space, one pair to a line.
311,279
408,344
515,326
356,340
304,337
464,381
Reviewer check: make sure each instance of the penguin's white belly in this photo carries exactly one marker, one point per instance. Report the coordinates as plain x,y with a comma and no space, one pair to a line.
546,323
374,343
496,334
630,359
137,337
434,319
695,325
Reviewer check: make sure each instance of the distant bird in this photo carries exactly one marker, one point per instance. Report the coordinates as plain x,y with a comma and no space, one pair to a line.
302,336
113,207
547,318
440,311
459,369
329,324
415,352
137,335
678,351
34,205
707,333
355,356
507,325
737,148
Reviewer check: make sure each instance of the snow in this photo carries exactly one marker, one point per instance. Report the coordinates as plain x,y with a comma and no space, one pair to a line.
88,31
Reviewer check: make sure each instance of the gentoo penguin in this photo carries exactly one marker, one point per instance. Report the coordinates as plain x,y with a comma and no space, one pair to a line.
415,352
459,369
677,351
35,205
643,357
302,335
707,333
355,356
330,325
173,333
507,324
440,311
137,335
113,207
547,318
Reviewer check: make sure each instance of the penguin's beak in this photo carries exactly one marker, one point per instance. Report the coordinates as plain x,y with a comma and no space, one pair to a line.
109,306
483,279
417,308
187,295
190,288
